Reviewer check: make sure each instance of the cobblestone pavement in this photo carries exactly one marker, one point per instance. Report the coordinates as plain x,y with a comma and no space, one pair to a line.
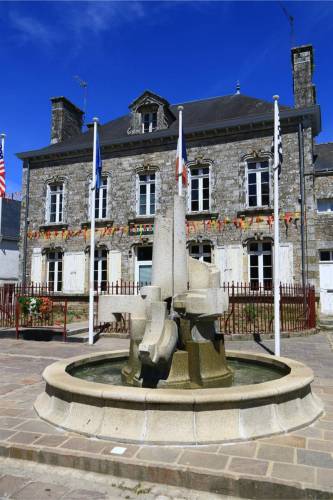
294,465
41,482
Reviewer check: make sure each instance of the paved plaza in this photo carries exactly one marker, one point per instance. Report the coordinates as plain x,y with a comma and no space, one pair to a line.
295,465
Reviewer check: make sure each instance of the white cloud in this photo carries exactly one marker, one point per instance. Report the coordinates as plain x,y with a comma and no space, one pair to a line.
30,29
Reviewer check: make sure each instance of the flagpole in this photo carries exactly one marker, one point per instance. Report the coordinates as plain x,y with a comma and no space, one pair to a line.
276,232
180,148
92,238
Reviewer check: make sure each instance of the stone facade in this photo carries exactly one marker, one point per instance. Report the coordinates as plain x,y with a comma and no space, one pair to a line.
227,227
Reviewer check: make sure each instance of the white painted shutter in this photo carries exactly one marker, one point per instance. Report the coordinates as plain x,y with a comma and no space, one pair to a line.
47,204
114,265
286,263
234,263
36,265
74,270
220,261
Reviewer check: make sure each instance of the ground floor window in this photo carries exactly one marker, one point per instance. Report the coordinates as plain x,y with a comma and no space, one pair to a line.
100,270
260,264
54,271
143,267
201,251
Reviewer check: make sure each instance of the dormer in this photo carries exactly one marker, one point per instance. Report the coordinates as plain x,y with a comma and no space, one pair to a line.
149,113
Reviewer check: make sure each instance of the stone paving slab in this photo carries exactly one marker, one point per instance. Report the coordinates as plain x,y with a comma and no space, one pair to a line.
294,465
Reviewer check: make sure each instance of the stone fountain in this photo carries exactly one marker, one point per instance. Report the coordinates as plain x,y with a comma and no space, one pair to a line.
177,387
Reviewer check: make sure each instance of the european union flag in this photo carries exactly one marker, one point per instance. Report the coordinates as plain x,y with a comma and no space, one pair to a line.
98,163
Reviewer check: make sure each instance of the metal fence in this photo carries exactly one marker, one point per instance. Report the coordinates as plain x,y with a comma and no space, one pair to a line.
250,311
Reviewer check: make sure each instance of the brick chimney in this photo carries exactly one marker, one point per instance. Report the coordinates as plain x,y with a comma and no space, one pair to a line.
302,64
66,121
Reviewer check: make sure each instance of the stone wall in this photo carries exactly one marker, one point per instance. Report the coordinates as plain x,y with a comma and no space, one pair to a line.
226,156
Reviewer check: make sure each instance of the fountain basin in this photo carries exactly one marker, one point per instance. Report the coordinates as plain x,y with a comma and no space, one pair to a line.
178,416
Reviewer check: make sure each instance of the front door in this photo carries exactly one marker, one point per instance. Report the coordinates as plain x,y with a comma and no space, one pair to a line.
326,281
143,265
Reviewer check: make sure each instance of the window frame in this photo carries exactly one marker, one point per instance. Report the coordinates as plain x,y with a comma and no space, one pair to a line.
139,183
330,250
258,172
152,117
200,187
99,200
330,211
100,258
141,263
59,201
260,253
201,254
57,272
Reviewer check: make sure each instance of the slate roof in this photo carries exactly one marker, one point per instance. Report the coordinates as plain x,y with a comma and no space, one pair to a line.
10,218
323,157
198,116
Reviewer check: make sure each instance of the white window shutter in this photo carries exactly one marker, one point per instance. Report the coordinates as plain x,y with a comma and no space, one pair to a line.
234,263
36,265
286,263
114,265
47,204
74,272
220,262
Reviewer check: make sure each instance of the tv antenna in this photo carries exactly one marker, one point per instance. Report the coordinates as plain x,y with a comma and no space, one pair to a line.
291,20
84,86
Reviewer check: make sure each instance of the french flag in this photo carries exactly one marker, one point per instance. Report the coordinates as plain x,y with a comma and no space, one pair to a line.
181,159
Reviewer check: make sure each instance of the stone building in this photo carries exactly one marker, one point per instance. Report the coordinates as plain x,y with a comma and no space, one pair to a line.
229,191
9,240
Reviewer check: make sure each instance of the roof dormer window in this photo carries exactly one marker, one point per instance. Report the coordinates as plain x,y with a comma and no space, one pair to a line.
149,122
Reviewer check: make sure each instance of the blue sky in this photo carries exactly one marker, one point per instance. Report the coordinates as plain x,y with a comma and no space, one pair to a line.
181,50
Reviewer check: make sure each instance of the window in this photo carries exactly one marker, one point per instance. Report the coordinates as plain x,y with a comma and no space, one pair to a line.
55,198
149,122
199,189
260,264
144,260
201,251
54,271
325,205
101,200
326,255
258,183
100,269
147,184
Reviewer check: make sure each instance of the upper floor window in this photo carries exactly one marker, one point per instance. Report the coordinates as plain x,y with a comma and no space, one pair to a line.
54,271
146,193
260,264
201,251
149,121
101,198
199,189
55,203
258,184
325,205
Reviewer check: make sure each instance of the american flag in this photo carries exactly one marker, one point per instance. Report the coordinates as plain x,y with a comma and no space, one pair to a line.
279,148
2,173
